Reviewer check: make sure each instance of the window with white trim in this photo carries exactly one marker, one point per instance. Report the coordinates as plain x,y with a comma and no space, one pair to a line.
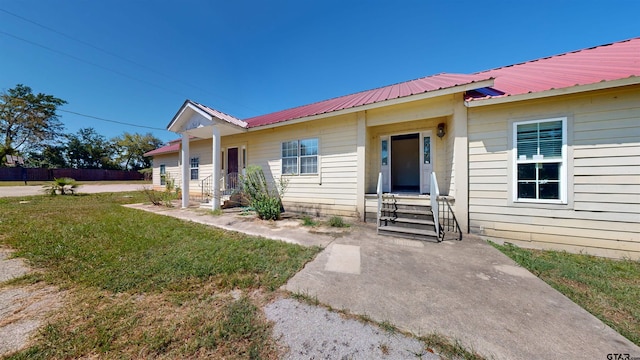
163,174
195,167
540,160
300,157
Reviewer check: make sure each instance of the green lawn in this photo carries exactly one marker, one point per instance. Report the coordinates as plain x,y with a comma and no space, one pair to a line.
609,289
146,285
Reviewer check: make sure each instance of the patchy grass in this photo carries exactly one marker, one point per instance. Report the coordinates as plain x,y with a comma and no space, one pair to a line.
144,285
607,288
337,221
308,221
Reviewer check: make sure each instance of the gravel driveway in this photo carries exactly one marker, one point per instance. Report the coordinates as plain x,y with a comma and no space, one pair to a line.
312,332
22,308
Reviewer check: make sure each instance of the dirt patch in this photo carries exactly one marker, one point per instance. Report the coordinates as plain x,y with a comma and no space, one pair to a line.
23,308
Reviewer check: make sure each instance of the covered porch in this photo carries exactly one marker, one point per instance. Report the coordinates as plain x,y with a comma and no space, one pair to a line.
418,142
195,121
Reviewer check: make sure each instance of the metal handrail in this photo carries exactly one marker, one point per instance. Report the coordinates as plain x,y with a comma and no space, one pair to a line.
448,218
205,187
434,194
229,183
379,193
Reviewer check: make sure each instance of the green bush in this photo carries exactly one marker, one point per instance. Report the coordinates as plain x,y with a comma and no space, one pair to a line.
265,200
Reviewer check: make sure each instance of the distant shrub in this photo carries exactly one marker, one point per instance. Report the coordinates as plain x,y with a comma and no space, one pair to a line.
166,197
62,186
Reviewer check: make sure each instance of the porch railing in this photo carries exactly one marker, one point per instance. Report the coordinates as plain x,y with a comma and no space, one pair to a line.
229,183
449,222
379,193
434,194
205,187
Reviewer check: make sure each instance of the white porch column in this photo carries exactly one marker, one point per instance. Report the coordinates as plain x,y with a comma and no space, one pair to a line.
215,163
461,162
186,163
361,153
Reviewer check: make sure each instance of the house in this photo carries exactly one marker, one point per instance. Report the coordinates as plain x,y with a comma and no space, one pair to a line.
542,154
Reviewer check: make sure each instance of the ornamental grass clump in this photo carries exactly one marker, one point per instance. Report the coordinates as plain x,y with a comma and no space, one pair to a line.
264,199
62,186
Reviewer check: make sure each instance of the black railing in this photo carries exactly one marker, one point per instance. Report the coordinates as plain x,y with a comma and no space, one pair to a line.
448,222
205,188
230,184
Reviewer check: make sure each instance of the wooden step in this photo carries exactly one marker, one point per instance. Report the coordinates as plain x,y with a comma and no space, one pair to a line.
418,224
407,220
405,206
408,233
408,213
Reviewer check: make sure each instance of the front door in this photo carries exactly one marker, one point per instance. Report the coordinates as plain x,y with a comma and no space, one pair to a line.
232,168
232,160
406,162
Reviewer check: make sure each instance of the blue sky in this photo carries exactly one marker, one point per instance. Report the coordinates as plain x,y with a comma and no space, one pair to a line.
137,61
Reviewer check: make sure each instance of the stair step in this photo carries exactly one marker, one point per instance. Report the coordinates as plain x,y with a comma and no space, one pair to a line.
410,211
407,203
417,224
409,233
407,220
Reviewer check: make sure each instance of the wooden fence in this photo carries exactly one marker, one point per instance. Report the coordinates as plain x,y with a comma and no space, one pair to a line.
39,174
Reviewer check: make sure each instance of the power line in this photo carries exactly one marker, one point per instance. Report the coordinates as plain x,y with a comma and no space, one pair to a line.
100,118
111,121
89,62
98,48
113,55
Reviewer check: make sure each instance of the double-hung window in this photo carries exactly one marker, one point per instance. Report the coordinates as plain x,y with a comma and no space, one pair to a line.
541,160
300,157
194,164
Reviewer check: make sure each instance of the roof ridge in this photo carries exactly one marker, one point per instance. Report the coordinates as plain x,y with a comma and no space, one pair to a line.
557,55
358,92
210,108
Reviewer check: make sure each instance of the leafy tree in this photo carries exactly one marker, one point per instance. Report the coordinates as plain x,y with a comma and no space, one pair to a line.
27,120
87,149
130,150
50,156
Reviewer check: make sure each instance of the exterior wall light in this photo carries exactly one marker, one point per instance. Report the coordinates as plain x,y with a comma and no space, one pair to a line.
440,130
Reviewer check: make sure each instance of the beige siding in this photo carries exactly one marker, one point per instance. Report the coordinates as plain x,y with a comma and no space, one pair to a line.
602,216
170,161
333,189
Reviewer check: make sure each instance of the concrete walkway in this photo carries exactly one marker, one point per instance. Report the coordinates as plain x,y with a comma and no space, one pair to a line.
466,290
28,190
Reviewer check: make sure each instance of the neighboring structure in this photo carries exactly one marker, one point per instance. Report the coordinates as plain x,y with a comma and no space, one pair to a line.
544,153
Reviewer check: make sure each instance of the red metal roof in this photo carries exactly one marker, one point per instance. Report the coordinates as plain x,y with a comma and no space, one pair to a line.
588,66
413,87
608,62
173,146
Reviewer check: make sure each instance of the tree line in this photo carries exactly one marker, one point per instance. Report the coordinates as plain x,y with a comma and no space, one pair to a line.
31,128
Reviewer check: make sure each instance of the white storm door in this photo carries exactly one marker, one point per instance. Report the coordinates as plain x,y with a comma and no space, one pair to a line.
426,161
385,166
